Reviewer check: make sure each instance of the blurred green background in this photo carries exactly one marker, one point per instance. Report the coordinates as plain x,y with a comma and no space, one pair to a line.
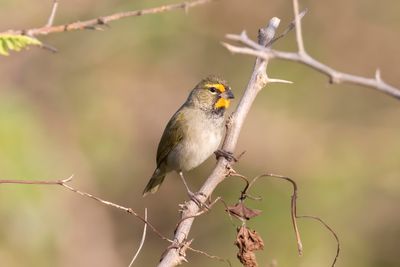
98,107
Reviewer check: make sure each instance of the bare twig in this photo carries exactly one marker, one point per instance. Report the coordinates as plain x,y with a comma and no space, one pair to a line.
227,261
142,241
125,209
293,206
201,212
295,216
38,182
290,27
253,49
52,14
99,22
297,22
257,81
330,230
63,183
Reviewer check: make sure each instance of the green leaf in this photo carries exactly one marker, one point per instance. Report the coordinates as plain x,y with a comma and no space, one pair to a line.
3,48
14,42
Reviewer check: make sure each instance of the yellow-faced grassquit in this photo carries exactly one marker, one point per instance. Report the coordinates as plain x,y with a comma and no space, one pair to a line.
194,132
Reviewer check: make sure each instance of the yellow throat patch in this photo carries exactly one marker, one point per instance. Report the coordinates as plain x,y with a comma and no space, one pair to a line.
222,103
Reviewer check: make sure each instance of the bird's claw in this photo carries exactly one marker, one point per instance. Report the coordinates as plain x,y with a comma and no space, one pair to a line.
195,199
226,154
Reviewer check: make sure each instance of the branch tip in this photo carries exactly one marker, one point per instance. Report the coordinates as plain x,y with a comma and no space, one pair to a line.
69,179
274,22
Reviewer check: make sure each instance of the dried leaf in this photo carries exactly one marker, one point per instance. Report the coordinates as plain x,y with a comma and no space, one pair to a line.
242,212
248,241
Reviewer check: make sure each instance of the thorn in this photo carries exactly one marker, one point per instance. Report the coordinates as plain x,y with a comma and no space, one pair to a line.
378,75
230,47
49,47
271,80
186,8
303,13
69,179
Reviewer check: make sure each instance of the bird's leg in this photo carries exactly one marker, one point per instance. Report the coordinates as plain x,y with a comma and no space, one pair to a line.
190,193
193,196
226,154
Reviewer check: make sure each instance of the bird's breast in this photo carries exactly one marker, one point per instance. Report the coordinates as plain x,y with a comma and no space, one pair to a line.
202,137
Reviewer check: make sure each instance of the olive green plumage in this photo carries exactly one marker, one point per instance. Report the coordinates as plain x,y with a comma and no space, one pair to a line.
194,132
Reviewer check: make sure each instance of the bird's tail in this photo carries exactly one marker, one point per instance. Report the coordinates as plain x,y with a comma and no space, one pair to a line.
155,181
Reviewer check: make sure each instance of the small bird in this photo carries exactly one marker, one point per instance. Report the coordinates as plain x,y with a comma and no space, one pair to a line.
193,133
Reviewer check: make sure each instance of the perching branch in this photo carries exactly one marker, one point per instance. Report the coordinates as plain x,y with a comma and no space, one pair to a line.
335,76
98,23
257,81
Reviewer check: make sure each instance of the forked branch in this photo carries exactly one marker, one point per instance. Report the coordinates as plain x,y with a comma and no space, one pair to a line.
254,49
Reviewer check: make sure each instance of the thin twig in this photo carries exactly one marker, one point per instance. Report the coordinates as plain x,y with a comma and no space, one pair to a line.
290,27
38,182
297,22
142,241
52,14
128,210
293,206
330,229
63,183
204,210
227,261
294,215
98,23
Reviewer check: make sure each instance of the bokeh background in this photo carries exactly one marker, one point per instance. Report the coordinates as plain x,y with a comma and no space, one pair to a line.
98,107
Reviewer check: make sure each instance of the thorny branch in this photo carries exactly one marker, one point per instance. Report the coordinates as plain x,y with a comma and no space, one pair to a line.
336,77
98,23
63,183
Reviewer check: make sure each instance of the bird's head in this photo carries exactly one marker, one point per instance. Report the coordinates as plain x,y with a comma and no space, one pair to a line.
211,94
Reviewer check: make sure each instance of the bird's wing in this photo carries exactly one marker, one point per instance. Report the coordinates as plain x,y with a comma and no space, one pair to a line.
173,134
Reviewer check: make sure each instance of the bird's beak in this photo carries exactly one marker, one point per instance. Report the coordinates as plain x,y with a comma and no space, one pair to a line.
228,94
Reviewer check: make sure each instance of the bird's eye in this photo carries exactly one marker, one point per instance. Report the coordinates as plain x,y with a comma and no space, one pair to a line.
213,90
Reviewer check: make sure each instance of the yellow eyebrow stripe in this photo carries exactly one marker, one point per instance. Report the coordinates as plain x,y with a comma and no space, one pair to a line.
219,86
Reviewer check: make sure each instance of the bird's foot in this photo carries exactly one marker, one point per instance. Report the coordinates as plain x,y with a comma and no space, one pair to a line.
226,154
